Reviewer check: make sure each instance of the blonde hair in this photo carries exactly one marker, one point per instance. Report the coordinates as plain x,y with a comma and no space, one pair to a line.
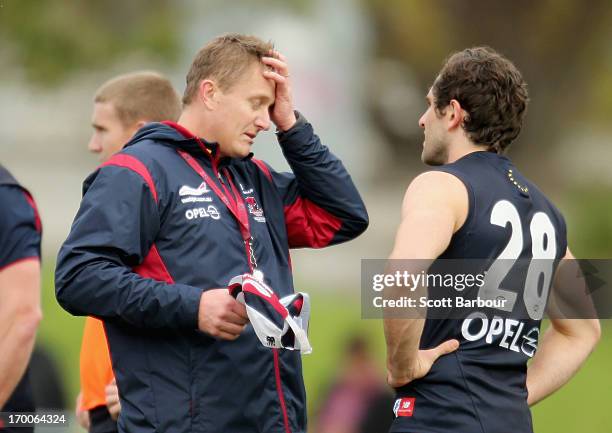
224,59
140,96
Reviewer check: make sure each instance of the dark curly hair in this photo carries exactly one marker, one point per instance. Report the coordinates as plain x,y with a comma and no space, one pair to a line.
490,89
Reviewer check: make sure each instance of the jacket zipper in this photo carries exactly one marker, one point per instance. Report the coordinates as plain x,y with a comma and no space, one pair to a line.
275,355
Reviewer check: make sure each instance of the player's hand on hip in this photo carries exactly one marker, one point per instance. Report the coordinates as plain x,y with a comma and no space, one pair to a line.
112,399
281,112
220,315
423,363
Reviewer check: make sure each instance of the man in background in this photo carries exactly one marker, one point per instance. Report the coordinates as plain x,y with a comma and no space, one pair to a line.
358,398
20,312
122,105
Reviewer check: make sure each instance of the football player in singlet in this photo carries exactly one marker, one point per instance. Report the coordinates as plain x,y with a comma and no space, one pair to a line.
469,374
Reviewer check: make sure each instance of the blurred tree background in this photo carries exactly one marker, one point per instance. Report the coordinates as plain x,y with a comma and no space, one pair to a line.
563,48
51,41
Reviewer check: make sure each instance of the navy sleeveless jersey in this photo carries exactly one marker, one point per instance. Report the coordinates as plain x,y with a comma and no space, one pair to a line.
481,388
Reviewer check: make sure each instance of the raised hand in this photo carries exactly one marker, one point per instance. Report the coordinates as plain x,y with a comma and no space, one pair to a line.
282,112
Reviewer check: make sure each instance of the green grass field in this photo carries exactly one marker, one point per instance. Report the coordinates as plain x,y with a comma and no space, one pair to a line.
580,407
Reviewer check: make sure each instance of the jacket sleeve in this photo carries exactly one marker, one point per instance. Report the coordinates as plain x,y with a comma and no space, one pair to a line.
111,239
321,204
20,229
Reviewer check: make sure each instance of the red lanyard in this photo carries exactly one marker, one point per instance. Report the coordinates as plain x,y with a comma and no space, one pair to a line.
235,204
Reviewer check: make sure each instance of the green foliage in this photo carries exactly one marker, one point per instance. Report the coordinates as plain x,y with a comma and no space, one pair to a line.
561,47
600,105
50,40
61,334
581,406
588,220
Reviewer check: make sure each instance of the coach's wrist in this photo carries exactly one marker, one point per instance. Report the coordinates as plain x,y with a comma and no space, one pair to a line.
290,126
287,123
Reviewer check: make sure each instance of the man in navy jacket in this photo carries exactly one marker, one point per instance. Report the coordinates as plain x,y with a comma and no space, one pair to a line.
166,223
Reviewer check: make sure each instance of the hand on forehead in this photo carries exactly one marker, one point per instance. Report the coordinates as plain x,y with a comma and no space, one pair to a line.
266,64
276,67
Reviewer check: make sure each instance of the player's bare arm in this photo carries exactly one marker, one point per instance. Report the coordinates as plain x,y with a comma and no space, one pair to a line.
20,314
566,344
434,207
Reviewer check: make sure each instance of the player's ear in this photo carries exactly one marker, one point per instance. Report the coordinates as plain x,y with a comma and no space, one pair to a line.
131,130
455,114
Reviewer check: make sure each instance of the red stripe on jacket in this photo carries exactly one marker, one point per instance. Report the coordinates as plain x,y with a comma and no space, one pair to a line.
32,203
309,225
154,267
127,161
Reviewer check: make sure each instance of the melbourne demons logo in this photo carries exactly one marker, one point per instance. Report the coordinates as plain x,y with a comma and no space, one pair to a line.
255,210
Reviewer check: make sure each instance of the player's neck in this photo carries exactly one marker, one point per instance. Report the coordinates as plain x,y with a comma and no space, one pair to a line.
463,146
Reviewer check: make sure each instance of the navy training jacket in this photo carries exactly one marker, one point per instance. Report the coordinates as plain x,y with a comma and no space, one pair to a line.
149,237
